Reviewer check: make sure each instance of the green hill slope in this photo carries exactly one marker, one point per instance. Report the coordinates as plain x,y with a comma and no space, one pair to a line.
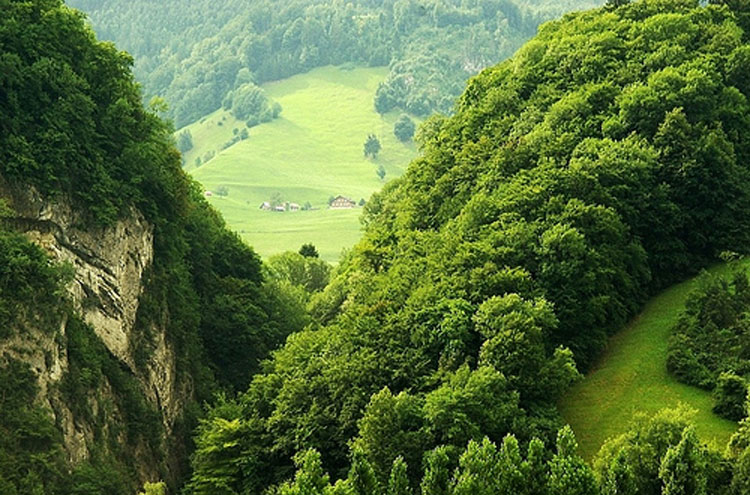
312,152
632,377
606,160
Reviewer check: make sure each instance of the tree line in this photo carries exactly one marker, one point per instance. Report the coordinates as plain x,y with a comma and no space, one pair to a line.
194,53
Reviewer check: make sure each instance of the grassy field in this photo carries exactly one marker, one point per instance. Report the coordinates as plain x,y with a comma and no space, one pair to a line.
632,377
312,152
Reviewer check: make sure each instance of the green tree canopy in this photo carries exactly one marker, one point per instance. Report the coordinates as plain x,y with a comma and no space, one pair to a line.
404,128
372,146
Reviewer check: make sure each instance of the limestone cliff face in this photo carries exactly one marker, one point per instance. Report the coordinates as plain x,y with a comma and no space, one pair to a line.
109,265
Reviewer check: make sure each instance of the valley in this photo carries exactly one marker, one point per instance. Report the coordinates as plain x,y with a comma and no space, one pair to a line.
231,263
312,152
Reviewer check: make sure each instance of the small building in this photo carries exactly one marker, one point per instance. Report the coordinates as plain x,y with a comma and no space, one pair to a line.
341,202
293,207
279,208
208,194
265,205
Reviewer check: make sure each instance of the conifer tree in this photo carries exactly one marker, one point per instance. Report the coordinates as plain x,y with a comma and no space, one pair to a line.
534,468
310,478
569,474
398,484
436,480
620,479
681,468
361,475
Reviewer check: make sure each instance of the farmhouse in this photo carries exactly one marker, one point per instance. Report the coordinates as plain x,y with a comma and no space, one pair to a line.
293,207
265,205
340,203
279,208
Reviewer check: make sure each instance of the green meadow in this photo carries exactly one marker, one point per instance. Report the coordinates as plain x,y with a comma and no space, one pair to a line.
312,152
631,377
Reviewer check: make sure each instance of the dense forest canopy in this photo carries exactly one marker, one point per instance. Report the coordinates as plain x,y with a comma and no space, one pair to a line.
710,346
606,159
74,130
193,53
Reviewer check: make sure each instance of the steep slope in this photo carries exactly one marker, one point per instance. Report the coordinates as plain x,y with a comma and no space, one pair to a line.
124,301
606,159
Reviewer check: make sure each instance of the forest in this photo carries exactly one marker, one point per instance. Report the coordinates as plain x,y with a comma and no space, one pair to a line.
606,160
194,53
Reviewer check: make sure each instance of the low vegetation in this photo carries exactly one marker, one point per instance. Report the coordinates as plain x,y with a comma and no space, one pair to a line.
709,345
631,378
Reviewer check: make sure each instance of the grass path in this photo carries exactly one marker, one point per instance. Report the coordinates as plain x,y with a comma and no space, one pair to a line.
632,377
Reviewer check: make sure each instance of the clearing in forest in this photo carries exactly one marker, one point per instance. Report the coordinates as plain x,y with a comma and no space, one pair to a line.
632,377
313,152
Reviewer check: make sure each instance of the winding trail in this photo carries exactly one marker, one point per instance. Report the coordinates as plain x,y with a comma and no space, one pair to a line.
631,376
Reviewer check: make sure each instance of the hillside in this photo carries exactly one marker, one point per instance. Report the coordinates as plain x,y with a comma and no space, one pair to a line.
631,377
192,52
312,152
606,160
120,287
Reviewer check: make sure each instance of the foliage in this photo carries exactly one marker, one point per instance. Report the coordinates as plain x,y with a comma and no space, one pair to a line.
154,489
31,457
372,146
305,271
680,468
730,395
217,450
708,347
604,402
74,128
404,128
308,250
602,162
650,454
194,53
249,102
31,289
398,483
184,141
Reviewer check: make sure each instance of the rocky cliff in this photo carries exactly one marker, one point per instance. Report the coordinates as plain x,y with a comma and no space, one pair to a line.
108,265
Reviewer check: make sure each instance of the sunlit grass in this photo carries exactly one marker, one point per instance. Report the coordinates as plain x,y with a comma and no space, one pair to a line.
313,152
632,377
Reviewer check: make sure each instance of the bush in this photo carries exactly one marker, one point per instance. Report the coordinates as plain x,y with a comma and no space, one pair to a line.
250,103
730,396
404,128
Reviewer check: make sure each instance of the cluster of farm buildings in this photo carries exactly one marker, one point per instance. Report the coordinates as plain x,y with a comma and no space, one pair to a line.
267,206
338,203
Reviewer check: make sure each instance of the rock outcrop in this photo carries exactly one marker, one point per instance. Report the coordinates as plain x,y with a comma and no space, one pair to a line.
109,264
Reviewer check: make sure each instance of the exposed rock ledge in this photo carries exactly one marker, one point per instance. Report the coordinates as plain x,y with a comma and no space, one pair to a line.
109,264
